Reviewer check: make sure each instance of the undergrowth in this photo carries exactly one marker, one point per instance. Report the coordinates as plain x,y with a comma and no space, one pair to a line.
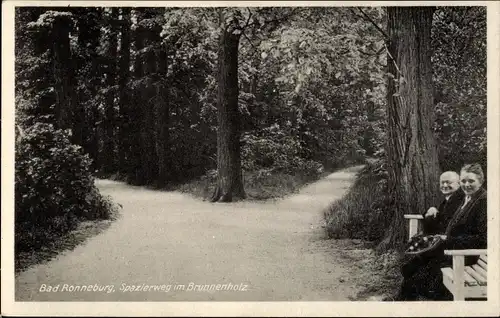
381,277
258,185
61,243
362,212
54,189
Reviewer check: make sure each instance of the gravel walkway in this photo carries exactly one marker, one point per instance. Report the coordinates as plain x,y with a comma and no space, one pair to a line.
168,246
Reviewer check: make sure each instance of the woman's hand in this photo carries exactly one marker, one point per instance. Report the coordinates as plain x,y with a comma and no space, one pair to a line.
443,237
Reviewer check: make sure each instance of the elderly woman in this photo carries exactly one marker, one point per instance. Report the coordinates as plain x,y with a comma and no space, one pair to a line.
465,230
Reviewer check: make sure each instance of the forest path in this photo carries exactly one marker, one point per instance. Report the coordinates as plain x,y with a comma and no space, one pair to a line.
274,248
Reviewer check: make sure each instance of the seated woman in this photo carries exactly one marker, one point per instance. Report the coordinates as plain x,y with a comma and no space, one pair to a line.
465,230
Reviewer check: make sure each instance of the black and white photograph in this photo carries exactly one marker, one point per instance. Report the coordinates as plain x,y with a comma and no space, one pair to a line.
316,153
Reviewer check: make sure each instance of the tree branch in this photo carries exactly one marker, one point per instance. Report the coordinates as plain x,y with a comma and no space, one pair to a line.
367,17
392,59
278,20
246,37
249,17
354,13
374,53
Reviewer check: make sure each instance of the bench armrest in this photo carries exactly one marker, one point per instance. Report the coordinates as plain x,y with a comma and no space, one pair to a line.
413,216
414,226
465,252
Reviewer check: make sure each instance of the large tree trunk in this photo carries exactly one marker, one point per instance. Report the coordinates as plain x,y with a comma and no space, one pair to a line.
63,72
124,145
86,115
150,97
229,178
411,149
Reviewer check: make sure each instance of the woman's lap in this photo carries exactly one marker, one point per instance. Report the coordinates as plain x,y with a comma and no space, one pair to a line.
423,276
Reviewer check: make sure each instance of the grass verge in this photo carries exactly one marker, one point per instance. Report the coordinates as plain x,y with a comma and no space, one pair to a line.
374,276
380,277
361,213
259,185
65,242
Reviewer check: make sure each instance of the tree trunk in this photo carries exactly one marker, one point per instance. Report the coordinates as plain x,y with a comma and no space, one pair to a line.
86,114
411,149
369,134
80,120
63,73
163,123
124,146
229,178
150,97
137,121
109,151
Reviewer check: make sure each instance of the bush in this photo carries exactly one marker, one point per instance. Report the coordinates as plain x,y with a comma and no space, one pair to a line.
362,212
276,149
54,187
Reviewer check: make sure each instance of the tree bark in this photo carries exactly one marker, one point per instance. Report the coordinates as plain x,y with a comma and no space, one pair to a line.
87,114
63,72
229,178
411,147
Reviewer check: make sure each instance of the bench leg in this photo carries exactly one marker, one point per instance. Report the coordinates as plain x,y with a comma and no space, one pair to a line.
458,278
413,228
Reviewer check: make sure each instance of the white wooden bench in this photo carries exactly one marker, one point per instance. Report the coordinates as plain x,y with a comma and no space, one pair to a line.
462,281
466,281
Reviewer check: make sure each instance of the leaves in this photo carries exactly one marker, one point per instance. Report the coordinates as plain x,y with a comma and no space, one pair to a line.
277,148
317,73
54,184
459,60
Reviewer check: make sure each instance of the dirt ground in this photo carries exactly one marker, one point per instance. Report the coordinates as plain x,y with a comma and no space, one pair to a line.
181,248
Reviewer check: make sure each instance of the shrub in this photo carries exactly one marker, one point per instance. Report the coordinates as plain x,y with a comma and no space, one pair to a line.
362,212
276,149
54,187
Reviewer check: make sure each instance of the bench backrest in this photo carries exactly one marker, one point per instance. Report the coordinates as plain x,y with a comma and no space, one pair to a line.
476,275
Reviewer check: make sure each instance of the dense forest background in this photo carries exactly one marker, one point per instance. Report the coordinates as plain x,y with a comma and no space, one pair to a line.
137,94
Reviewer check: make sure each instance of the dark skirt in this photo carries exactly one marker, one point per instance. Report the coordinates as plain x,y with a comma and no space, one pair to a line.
422,276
